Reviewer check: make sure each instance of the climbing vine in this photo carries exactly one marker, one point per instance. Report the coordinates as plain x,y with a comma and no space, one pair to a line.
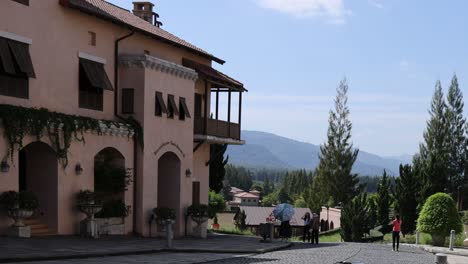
61,129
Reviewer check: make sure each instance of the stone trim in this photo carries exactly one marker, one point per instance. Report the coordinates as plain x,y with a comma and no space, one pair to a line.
147,61
84,55
15,37
218,140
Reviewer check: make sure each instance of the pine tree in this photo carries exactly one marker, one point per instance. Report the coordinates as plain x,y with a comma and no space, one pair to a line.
406,195
457,139
217,167
337,155
434,152
383,203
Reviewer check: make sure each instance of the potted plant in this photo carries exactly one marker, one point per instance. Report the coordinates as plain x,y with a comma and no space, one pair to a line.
199,213
19,206
215,223
163,214
111,219
438,217
89,203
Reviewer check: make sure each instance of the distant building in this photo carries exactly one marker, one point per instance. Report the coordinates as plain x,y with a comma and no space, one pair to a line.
246,199
330,218
235,190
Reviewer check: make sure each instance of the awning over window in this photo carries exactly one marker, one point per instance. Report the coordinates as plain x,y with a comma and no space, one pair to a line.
219,79
160,101
15,58
171,102
184,107
96,74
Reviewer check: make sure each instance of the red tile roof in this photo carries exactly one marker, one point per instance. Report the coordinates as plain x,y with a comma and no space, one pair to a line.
117,15
246,195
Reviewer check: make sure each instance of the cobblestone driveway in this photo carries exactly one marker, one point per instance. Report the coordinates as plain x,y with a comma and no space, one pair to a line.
326,253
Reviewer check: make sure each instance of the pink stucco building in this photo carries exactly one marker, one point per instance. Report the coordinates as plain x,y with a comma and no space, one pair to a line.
94,59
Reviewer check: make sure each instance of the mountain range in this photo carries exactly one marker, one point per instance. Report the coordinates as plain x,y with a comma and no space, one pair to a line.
266,150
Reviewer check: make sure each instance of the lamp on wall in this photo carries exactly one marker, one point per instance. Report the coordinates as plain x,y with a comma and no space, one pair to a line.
188,173
4,166
78,169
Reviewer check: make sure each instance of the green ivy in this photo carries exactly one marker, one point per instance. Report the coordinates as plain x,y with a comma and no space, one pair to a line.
61,129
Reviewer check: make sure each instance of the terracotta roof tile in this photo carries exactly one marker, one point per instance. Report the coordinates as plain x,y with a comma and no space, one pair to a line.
119,15
246,195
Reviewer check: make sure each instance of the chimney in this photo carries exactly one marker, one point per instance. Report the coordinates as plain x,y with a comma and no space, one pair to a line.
144,10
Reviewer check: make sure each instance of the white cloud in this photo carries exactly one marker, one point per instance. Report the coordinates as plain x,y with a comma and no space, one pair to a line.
376,4
333,11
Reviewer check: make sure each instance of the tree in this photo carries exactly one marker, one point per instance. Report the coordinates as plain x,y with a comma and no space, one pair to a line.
217,166
406,195
267,186
216,204
240,221
283,196
355,219
457,140
434,153
383,203
337,155
226,191
438,217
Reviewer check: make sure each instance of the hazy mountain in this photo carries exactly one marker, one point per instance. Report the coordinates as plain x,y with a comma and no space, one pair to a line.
272,151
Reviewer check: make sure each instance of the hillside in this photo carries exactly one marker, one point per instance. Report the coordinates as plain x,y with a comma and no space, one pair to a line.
266,150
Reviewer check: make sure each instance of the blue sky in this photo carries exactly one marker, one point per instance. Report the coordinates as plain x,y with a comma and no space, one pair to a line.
291,54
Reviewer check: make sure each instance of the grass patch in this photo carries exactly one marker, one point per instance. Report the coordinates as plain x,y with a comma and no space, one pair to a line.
233,231
329,237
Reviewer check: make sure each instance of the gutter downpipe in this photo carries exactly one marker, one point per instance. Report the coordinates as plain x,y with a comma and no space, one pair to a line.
116,113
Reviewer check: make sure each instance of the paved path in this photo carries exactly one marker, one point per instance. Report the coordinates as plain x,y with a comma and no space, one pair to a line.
56,248
326,253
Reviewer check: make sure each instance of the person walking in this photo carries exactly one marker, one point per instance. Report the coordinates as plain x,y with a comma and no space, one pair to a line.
396,232
315,225
307,221
285,230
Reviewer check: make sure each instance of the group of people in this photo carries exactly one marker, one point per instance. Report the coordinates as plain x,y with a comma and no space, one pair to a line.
311,228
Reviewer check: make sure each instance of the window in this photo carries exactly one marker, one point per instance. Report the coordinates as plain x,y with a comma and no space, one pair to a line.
15,68
198,105
93,81
92,38
146,52
184,112
24,2
171,106
128,100
196,193
160,107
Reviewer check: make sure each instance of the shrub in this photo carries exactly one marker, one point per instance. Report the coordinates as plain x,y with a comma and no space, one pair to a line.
240,221
164,213
87,197
109,179
439,215
198,210
26,200
216,204
114,208
355,219
465,218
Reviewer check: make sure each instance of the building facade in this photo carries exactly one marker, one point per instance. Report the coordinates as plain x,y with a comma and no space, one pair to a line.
96,63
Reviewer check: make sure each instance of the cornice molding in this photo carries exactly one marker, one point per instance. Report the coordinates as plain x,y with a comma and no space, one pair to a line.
147,61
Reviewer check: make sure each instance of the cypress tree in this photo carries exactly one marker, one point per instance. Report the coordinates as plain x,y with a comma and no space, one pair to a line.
434,153
457,139
337,155
406,196
217,167
383,203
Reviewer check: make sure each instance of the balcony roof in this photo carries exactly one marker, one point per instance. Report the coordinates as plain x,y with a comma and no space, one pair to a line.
219,79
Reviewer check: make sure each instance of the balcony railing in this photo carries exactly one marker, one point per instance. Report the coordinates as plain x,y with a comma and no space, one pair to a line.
217,128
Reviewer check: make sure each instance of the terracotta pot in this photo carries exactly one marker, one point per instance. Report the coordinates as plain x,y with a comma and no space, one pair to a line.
19,215
438,240
215,226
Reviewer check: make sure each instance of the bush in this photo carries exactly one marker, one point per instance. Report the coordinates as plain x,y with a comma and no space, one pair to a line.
240,221
465,218
198,210
439,215
164,213
114,208
216,204
87,197
355,219
23,200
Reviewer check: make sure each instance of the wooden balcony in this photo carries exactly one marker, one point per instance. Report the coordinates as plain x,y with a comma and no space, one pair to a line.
217,128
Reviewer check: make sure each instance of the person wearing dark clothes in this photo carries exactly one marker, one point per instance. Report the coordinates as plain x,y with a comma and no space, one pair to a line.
307,222
396,232
315,225
285,230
